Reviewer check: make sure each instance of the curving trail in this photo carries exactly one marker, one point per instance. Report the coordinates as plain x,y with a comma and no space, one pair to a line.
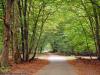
57,66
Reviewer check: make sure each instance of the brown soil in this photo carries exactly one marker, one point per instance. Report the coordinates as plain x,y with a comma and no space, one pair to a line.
28,68
86,66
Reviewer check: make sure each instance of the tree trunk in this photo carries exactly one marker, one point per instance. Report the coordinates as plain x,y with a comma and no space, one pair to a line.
7,19
17,55
97,26
22,27
25,32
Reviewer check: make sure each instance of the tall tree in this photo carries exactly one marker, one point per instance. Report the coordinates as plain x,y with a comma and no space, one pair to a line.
97,25
25,32
15,32
7,19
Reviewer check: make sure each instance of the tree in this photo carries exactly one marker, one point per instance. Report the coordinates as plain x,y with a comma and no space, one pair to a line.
7,23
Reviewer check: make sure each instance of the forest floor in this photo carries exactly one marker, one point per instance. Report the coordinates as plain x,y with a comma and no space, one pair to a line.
28,68
86,66
52,64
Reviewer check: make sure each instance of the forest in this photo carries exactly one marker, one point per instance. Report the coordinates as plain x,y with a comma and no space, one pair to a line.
30,27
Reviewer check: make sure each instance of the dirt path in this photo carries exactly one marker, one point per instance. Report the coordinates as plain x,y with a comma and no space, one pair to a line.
57,66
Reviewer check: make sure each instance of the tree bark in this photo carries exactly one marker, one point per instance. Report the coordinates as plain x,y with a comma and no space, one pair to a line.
97,26
17,55
25,32
22,27
7,19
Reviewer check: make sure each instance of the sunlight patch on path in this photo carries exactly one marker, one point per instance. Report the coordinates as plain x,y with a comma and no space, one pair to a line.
60,58
56,57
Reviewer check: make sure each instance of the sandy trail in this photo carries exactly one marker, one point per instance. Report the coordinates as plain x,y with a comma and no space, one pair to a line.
57,66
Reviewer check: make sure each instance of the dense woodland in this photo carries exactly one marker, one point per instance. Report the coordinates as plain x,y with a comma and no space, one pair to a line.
28,27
